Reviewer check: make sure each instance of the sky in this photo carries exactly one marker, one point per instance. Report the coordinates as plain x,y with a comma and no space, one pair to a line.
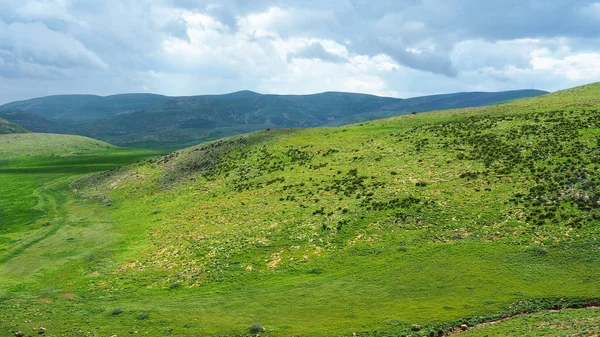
400,48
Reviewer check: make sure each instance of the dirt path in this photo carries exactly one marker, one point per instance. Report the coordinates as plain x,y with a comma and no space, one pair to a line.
458,331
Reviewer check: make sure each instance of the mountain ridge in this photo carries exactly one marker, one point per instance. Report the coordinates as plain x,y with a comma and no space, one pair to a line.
149,120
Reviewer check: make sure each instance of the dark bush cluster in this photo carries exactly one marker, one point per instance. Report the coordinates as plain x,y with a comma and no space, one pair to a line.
544,148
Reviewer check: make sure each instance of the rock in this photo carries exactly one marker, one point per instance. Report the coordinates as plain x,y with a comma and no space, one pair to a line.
42,331
464,327
415,327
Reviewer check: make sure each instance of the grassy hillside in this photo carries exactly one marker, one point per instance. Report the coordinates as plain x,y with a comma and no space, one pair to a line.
32,121
46,145
9,127
583,322
29,161
438,219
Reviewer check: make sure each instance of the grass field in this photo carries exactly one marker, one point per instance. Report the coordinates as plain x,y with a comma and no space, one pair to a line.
582,322
31,212
438,219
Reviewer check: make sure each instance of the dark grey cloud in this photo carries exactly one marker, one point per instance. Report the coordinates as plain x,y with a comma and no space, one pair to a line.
315,50
177,28
33,50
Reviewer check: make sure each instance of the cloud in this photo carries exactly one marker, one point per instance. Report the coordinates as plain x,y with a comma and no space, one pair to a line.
580,67
44,10
315,50
31,50
395,47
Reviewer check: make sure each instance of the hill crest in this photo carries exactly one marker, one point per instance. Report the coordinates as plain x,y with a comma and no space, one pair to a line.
8,127
147,120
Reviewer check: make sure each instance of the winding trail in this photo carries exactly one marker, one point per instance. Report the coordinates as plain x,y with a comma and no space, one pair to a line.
54,214
459,331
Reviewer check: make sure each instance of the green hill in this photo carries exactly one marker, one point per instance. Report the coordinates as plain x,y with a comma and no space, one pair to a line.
9,127
440,219
40,144
582,322
32,121
145,120
30,162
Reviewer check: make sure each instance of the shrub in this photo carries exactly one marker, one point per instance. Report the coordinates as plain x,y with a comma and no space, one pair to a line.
539,251
255,328
116,311
143,316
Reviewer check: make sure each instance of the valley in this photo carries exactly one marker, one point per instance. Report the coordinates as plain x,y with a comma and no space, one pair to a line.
434,219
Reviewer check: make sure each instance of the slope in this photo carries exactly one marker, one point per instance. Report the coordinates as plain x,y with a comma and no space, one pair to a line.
32,121
581,322
189,120
29,164
445,102
434,219
9,127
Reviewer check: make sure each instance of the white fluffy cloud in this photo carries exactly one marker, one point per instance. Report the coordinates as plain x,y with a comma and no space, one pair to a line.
385,47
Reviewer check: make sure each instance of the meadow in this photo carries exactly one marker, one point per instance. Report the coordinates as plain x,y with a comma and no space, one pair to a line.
437,220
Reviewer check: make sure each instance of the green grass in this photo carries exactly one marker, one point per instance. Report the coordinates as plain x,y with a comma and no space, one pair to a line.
581,322
432,219
31,165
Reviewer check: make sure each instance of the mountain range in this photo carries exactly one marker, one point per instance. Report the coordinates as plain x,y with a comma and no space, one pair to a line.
149,120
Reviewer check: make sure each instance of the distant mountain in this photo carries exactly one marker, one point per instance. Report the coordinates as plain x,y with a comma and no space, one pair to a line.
9,127
83,107
148,120
32,122
442,102
51,106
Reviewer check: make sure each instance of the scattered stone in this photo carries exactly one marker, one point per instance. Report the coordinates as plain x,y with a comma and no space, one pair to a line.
42,331
464,327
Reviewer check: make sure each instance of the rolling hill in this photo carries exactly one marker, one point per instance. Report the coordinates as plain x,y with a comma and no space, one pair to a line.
84,107
32,122
9,127
157,121
411,225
